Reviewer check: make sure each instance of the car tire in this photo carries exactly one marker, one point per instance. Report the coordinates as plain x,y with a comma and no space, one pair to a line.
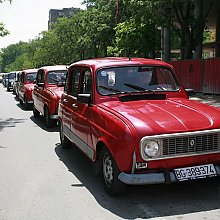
49,122
110,172
65,142
97,165
26,105
36,113
21,102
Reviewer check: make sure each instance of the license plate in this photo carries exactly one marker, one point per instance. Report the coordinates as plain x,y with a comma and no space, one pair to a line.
195,172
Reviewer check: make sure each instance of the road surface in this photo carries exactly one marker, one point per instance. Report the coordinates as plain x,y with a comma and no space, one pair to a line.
39,180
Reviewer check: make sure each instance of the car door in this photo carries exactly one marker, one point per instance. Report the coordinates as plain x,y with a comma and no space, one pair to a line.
21,89
81,114
38,90
68,100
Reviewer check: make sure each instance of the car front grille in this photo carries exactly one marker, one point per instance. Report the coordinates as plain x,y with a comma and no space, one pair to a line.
190,144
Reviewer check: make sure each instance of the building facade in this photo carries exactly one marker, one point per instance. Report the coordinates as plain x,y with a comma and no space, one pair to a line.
55,14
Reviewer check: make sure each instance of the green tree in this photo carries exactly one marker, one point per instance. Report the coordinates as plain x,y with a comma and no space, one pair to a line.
137,33
3,31
188,21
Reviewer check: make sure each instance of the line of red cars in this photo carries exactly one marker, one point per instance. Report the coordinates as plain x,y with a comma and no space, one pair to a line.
41,89
133,119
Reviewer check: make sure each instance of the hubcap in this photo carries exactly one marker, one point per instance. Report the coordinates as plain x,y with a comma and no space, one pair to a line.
108,169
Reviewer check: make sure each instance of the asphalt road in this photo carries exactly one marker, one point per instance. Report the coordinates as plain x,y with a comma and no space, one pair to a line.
39,180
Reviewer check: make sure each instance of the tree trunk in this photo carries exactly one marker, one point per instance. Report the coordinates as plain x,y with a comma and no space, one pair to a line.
199,28
166,35
189,45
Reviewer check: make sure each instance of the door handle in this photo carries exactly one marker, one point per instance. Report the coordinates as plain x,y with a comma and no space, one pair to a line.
74,105
65,100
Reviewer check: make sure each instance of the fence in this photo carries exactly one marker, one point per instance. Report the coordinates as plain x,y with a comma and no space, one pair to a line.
200,75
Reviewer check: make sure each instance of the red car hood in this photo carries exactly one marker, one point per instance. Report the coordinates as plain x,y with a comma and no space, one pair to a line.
166,116
57,90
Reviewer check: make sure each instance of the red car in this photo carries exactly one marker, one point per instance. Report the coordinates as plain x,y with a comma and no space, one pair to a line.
133,119
47,92
25,86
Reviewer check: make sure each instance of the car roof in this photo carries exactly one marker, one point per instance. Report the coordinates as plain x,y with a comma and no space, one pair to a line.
119,61
55,67
30,70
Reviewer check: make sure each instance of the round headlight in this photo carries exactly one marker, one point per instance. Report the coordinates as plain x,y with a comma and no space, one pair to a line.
151,148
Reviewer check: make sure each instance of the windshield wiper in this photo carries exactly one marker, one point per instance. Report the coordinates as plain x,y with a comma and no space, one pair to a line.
57,81
137,87
110,89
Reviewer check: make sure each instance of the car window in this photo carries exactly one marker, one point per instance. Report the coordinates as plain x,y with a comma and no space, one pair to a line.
40,76
87,82
31,77
11,75
135,79
75,82
56,77
22,77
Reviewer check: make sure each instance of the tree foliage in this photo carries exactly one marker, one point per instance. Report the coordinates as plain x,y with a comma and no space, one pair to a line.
3,31
110,28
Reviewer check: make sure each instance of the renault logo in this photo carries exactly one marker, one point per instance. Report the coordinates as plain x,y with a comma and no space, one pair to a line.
192,143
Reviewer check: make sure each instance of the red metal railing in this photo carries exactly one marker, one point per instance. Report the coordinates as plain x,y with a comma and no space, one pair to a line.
200,75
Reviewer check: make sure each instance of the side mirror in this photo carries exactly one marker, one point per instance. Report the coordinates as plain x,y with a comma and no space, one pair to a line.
189,92
84,98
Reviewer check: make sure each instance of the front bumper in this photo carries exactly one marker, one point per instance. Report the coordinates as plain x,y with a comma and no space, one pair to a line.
152,178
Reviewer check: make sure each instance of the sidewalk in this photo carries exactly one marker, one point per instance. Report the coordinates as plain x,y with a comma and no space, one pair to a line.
210,99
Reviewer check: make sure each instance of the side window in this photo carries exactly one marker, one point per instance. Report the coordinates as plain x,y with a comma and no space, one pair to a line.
22,77
87,82
75,82
40,76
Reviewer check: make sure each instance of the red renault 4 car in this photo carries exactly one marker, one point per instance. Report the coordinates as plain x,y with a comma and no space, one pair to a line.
133,119
47,91
25,86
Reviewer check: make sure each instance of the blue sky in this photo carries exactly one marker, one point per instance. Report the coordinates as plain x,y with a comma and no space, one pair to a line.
25,19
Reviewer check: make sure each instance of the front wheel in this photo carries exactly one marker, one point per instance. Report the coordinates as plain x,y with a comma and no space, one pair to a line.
65,142
36,113
26,105
110,172
49,122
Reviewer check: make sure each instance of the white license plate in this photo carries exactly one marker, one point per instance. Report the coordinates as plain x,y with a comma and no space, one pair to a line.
195,172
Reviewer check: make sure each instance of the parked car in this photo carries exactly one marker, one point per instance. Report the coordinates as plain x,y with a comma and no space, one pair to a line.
49,86
4,76
15,83
133,119
1,77
9,79
25,86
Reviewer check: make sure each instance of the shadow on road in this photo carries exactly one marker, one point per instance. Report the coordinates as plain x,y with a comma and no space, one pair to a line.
10,122
39,121
21,106
144,201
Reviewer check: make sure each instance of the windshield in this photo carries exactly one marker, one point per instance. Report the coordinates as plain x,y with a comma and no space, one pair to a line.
57,77
135,79
11,75
31,77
